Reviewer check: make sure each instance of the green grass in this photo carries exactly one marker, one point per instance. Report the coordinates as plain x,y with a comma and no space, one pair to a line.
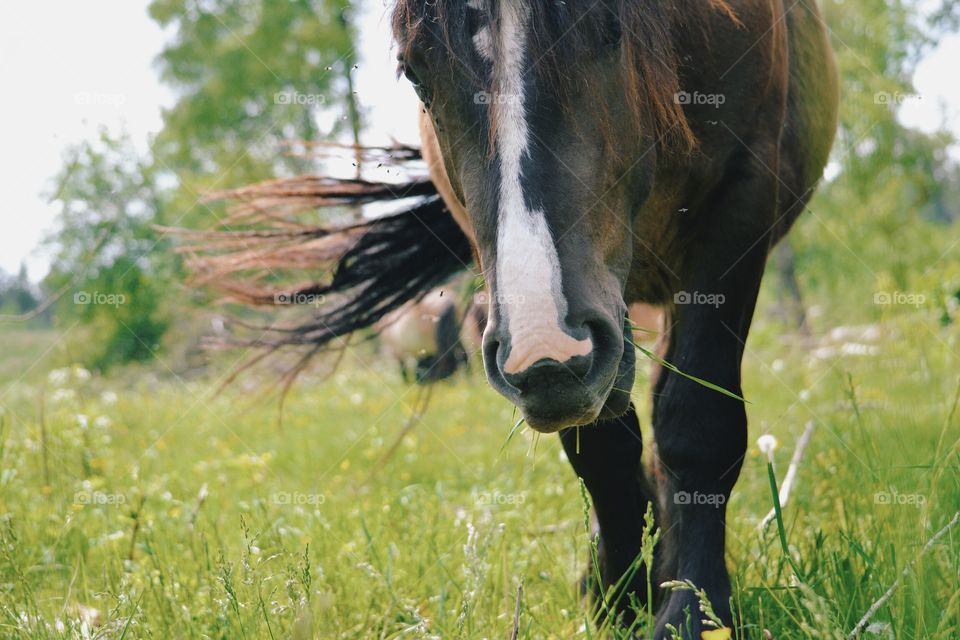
27,353
172,513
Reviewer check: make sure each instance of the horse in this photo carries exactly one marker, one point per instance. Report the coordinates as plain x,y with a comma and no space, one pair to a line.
586,156
424,337
600,154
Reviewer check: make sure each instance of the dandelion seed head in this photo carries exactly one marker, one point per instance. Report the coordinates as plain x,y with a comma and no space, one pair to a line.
767,443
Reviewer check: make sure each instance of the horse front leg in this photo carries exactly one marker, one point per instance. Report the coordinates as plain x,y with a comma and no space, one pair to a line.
701,433
607,456
701,437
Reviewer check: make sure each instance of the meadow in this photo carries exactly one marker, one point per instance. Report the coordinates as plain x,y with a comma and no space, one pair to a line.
145,505
142,501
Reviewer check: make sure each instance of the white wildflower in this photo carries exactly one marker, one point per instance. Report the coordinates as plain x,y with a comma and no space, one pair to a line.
58,376
881,629
89,615
767,443
62,395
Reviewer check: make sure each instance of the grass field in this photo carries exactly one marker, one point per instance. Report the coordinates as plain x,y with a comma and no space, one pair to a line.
141,506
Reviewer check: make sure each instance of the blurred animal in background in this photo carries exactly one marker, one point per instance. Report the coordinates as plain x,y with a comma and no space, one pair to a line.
423,336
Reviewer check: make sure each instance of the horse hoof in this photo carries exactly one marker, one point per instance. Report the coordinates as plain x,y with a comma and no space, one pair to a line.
682,612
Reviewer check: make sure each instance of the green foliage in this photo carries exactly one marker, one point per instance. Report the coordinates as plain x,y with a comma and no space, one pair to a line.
189,514
131,329
106,246
892,193
17,294
250,75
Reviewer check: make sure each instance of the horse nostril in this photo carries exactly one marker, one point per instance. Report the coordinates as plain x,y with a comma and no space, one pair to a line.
490,347
556,381
547,368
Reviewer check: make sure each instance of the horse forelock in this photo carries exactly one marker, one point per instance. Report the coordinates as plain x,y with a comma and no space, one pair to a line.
564,38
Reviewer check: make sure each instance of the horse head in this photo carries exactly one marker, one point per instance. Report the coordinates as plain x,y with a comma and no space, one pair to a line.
530,121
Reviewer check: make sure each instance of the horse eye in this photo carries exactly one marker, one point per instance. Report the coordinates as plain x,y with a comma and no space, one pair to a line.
414,79
409,74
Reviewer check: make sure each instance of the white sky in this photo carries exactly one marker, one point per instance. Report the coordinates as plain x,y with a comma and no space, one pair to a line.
69,67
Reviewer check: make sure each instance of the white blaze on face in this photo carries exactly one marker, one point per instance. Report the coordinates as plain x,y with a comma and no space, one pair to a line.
528,276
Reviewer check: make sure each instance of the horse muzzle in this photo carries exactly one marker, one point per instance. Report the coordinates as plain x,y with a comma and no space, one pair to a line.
563,381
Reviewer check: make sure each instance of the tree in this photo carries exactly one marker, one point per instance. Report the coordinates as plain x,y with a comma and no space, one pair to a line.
890,187
105,243
17,295
252,76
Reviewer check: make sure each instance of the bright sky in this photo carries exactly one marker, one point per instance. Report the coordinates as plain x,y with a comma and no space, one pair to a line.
93,65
